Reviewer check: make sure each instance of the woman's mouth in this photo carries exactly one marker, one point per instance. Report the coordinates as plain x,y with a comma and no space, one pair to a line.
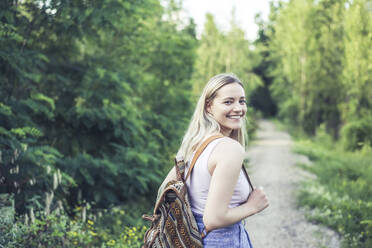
235,117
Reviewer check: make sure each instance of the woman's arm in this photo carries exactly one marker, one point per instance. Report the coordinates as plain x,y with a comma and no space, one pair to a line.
226,162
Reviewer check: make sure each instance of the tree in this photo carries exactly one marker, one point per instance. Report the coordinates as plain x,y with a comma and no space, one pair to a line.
97,99
28,164
356,104
307,45
230,52
261,98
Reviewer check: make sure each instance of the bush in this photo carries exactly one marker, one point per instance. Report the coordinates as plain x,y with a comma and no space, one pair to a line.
321,136
59,230
357,133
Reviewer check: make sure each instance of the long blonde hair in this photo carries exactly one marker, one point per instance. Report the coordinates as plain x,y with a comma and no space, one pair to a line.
202,124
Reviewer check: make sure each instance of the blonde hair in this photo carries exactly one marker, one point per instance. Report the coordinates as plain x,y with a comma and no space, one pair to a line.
202,124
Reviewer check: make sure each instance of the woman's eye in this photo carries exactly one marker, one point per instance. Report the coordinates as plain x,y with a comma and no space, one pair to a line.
228,102
243,101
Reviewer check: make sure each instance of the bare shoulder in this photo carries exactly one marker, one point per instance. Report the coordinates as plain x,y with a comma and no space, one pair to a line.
231,145
228,150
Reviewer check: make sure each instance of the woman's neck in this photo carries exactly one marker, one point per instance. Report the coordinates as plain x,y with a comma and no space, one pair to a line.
226,132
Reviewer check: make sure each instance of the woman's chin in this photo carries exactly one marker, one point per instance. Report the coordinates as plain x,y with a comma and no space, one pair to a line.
235,125
230,128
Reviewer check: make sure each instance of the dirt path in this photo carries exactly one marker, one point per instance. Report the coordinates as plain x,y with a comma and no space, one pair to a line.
282,224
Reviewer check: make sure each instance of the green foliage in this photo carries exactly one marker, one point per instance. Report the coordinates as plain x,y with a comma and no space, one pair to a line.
58,230
220,52
261,98
28,168
252,125
319,59
357,73
341,195
307,49
357,134
94,95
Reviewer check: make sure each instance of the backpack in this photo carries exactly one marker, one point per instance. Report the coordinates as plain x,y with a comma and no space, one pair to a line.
173,223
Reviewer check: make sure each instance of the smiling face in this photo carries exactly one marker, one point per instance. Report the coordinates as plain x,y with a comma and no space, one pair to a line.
228,107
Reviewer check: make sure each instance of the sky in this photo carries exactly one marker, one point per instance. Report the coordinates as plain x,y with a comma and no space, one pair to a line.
245,11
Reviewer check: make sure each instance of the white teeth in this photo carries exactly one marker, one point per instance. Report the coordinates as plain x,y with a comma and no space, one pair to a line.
234,116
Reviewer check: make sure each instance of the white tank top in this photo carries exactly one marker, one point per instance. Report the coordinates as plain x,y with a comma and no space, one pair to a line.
200,178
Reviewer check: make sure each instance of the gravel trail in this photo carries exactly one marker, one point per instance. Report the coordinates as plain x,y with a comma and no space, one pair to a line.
282,224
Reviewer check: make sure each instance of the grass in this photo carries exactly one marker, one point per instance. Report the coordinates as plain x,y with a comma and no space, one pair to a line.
341,195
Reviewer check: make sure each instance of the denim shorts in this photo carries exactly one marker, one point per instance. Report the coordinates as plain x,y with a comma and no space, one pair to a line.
234,236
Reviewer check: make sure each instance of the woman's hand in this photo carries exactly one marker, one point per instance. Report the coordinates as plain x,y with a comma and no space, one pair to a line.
257,201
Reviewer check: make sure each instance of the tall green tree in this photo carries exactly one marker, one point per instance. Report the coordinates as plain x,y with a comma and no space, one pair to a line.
356,105
261,98
307,45
221,52
101,89
288,50
209,61
321,67
28,164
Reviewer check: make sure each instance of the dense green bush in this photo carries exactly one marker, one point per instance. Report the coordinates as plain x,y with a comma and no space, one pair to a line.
357,133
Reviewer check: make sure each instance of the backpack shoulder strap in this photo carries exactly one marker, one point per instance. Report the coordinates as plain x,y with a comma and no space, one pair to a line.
180,168
199,152
246,175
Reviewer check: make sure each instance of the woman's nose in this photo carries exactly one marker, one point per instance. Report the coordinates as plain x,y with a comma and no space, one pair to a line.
238,107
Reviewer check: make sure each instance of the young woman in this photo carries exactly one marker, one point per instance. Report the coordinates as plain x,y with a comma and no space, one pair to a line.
219,192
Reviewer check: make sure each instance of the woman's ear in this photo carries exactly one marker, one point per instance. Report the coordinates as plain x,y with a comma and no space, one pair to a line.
208,108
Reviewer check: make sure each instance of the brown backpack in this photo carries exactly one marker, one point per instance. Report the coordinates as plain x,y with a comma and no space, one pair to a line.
173,223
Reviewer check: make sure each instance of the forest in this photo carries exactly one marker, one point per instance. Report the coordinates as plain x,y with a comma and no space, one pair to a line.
95,97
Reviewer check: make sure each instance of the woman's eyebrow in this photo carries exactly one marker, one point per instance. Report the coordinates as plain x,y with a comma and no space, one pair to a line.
232,98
